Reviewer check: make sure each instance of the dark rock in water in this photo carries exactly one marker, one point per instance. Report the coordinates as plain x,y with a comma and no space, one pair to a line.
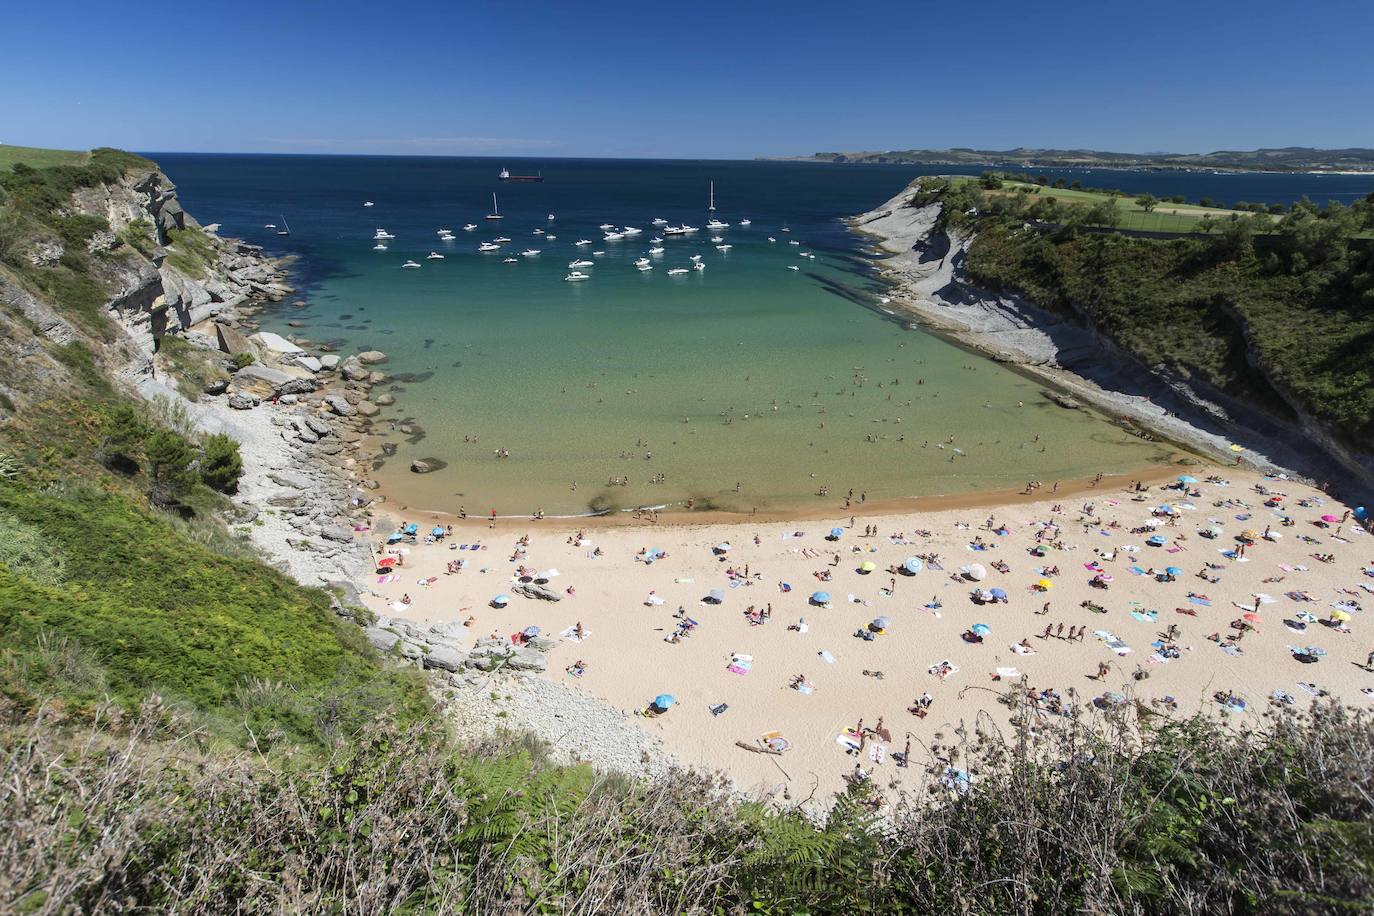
295,324
389,449
409,377
427,465
385,400
372,357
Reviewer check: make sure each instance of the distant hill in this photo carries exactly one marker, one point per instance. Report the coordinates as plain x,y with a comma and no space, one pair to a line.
1290,158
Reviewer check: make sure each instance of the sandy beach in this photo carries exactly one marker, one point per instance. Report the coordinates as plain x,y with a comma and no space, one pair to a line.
1173,641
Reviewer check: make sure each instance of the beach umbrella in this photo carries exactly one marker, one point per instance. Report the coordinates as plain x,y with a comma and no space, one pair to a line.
1173,571
665,700
500,601
974,571
1341,616
386,562
1045,584
437,531
1330,518
717,595
1249,534
412,528
880,623
722,547
1156,540
913,565
1361,513
393,537
981,629
836,532
820,597
868,566
1000,594
1184,478
1166,509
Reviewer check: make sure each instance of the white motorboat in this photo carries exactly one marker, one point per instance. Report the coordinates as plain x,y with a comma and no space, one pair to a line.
724,247
745,222
641,262
771,239
488,246
580,263
793,267
509,260
698,266
656,241
269,225
676,271
583,242
539,232
529,252
644,267
444,232
605,227
469,227
613,236
578,275
717,239
551,216
550,237
655,251
659,222
793,242
696,257
368,203
631,230
382,234
379,247
434,256
495,210
597,254
411,265
717,225
500,240
803,254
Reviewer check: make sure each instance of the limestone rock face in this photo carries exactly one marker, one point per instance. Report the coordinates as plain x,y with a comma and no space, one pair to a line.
231,341
277,344
528,659
337,533
340,405
445,658
383,640
263,381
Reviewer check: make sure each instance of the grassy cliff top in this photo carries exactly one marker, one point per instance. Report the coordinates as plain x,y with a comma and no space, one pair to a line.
38,158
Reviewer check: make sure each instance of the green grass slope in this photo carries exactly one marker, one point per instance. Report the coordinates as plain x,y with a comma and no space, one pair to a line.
37,157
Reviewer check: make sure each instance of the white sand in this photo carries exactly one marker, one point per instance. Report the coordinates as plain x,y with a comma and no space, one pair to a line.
628,661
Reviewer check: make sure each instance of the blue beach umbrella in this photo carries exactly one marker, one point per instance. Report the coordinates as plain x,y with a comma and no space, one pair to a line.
880,623
501,600
437,531
1184,478
999,593
1173,571
664,700
913,565
820,597
1156,540
393,537
717,595
837,532
412,528
981,629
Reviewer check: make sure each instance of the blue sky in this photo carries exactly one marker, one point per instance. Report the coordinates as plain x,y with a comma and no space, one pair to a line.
650,79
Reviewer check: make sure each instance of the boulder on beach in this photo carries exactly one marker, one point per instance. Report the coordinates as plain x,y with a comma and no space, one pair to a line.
427,465
329,361
276,344
368,409
445,658
372,357
340,405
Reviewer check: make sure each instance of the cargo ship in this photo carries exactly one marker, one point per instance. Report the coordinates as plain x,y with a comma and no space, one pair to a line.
505,175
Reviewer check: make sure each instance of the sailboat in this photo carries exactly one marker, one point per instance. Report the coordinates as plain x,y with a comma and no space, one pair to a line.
286,227
495,210
712,205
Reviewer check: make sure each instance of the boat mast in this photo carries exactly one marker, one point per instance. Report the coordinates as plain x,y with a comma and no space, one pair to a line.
494,208
712,205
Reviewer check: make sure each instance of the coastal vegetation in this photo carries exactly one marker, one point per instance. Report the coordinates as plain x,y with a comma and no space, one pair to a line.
1289,159
1278,310
186,729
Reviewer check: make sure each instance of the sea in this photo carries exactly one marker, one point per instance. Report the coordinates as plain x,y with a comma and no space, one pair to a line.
770,377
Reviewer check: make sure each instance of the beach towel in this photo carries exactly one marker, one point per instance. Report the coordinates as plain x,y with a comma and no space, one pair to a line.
1008,672
1137,571
848,741
1202,601
399,606
1232,650
804,689
570,634
827,657
718,708
737,669
1174,549
877,753
1021,650
1146,616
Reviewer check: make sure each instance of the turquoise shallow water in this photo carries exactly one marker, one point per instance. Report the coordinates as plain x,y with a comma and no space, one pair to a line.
744,385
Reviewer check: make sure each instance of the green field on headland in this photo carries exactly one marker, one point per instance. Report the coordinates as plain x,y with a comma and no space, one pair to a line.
39,158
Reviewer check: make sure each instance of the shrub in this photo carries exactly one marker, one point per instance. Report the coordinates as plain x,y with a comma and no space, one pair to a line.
221,466
169,467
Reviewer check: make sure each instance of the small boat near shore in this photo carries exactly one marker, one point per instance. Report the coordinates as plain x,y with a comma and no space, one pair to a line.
411,265
495,209
580,263
529,252
676,271
434,256
488,246
577,275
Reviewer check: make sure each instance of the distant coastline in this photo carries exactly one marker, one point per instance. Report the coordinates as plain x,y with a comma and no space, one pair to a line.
1289,160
